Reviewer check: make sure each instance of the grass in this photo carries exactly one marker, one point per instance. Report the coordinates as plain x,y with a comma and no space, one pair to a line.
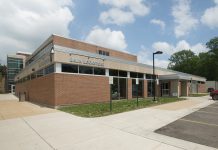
198,94
118,106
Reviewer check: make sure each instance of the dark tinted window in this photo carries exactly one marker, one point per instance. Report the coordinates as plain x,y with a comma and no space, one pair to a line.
100,52
39,73
113,72
140,75
69,68
149,76
49,69
99,71
85,70
33,76
105,53
122,73
133,74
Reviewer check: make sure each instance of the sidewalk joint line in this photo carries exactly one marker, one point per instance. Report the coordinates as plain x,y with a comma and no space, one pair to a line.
38,134
122,130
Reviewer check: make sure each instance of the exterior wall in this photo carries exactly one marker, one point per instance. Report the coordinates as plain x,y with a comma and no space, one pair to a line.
40,90
129,94
179,88
145,88
174,88
212,84
77,89
201,88
2,84
57,40
62,89
184,88
158,90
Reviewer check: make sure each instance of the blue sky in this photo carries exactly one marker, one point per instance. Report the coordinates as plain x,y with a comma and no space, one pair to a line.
136,26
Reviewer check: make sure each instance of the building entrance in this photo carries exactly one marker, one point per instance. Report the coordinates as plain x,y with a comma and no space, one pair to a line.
165,89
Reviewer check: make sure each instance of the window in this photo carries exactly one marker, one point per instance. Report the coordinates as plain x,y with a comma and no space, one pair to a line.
33,76
100,52
99,71
39,73
69,68
113,72
49,69
85,70
150,76
133,74
122,73
140,75
105,53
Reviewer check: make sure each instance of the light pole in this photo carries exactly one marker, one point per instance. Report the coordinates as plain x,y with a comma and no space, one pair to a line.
154,77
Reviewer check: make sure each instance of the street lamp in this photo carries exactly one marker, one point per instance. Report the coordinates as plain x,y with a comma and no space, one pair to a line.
154,77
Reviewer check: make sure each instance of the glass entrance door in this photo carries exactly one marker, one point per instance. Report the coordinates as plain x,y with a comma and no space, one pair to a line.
165,91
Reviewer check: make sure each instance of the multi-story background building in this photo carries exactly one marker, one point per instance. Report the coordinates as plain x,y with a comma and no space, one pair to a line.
15,63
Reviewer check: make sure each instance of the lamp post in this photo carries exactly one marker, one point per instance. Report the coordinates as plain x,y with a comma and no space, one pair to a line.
154,77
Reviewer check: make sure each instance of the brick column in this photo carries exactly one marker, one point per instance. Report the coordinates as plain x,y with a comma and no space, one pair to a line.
157,90
129,90
145,88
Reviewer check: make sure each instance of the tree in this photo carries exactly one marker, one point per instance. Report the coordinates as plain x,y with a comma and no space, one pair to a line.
211,60
205,64
3,70
213,44
183,61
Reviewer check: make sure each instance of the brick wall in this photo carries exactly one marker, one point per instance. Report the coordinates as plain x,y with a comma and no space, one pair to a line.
91,48
76,89
129,94
201,88
39,90
145,88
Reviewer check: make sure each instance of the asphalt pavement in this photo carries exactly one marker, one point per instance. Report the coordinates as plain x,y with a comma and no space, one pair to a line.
198,127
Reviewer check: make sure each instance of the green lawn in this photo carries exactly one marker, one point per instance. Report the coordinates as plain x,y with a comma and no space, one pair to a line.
198,94
118,106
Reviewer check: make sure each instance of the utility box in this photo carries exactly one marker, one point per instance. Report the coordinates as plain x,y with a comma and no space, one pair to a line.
22,97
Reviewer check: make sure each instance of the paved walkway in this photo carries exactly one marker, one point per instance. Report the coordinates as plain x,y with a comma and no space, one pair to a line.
124,131
10,108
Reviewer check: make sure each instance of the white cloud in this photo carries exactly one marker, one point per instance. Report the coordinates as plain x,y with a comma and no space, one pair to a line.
183,18
26,24
210,16
169,49
107,38
216,1
116,16
123,8
145,56
158,22
163,46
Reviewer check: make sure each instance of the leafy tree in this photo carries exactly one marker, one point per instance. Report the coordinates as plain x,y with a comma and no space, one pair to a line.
213,44
3,70
183,61
212,59
205,64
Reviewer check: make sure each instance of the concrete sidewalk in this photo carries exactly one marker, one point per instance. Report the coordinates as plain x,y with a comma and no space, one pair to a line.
124,131
10,107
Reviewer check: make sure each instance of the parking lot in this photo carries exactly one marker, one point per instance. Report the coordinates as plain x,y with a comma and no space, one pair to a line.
199,127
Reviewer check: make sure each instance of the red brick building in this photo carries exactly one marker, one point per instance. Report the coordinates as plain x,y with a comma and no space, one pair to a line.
64,71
